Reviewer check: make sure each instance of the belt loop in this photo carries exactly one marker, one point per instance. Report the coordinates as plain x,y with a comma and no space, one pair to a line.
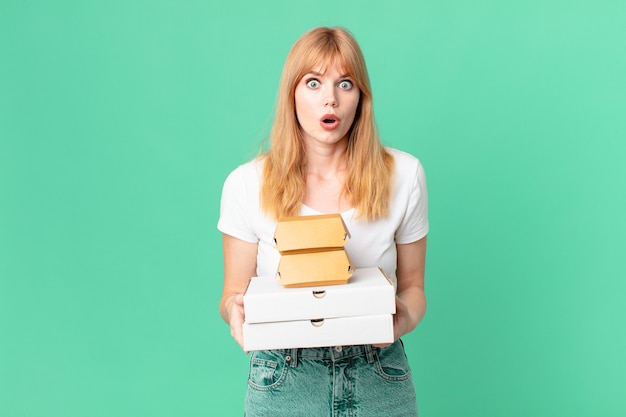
369,354
294,358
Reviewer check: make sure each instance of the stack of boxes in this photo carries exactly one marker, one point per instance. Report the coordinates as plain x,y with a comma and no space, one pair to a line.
312,250
318,298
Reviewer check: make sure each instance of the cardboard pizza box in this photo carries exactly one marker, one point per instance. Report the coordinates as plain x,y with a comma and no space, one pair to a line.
341,331
369,292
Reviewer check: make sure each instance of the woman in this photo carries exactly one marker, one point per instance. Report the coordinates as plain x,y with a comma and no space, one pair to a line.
326,157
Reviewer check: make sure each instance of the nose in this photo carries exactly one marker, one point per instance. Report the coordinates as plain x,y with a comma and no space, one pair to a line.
331,99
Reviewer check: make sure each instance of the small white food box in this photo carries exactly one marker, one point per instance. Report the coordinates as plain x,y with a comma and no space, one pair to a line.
358,312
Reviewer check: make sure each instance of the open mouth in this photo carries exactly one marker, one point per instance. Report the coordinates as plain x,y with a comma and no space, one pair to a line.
329,121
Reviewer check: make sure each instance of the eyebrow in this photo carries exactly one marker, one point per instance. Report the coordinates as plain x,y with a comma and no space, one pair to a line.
319,73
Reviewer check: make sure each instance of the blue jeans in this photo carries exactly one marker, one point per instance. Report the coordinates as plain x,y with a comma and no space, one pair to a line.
354,381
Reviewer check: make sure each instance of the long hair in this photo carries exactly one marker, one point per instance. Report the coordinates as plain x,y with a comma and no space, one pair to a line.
369,166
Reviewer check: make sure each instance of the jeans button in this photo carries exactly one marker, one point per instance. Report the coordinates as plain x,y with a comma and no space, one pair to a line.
338,348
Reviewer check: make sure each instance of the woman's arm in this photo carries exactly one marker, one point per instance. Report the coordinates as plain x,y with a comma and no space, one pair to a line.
410,297
239,267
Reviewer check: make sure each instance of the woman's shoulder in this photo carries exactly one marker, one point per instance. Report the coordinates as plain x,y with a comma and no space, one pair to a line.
249,170
403,160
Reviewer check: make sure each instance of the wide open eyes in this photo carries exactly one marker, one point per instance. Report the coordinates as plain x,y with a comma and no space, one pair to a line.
313,83
345,85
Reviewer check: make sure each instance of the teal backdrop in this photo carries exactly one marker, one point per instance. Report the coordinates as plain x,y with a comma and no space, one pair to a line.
119,121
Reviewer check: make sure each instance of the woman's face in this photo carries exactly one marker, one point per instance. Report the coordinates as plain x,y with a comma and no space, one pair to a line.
326,105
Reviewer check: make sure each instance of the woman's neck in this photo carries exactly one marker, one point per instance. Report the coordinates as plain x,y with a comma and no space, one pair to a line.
326,161
326,168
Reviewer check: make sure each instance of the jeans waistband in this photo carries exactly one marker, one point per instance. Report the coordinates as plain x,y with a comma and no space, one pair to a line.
331,353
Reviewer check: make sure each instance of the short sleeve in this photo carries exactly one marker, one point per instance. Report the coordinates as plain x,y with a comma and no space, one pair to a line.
414,224
238,203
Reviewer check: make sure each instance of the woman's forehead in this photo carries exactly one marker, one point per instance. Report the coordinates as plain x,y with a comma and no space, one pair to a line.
324,65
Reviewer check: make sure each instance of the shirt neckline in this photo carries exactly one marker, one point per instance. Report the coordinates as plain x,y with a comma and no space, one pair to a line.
313,211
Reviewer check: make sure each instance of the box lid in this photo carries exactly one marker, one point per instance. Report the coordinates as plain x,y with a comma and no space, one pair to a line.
331,267
306,233
369,292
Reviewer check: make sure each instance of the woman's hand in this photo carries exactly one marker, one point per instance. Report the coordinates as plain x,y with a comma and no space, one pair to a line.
410,298
239,267
237,318
402,322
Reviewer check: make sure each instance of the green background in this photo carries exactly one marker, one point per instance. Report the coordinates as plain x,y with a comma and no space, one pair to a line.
119,121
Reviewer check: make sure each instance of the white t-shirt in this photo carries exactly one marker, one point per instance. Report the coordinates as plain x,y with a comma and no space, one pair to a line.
372,244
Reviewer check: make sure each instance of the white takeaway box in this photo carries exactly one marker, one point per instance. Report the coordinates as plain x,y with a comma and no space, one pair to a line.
359,330
368,293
